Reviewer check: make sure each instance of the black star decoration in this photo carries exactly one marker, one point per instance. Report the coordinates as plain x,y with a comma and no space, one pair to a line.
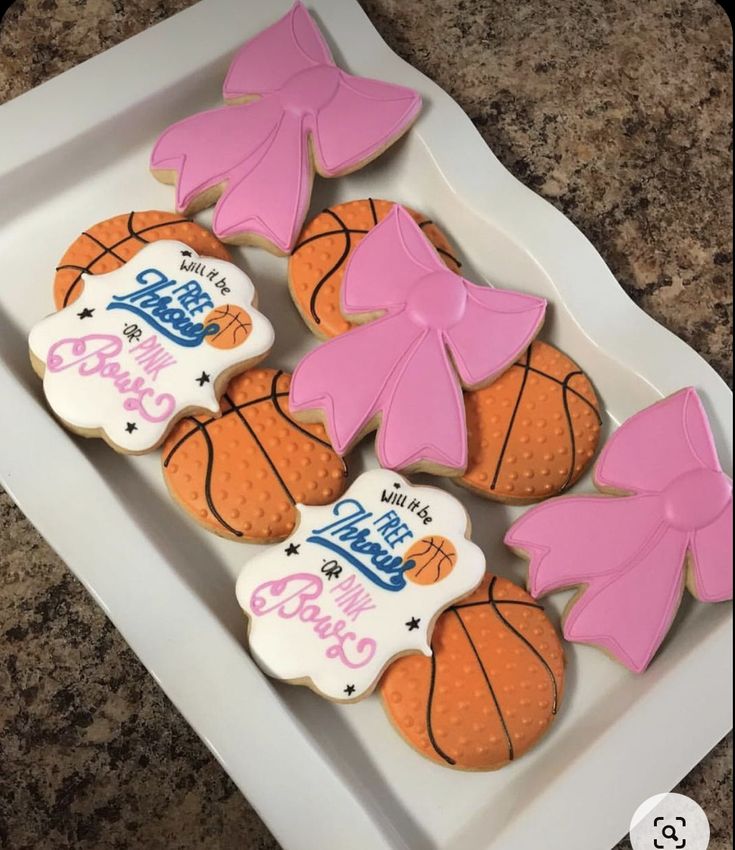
413,623
86,313
203,379
186,253
130,427
292,549
349,690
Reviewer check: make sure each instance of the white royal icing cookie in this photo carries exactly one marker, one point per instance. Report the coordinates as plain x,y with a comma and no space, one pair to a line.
153,340
359,582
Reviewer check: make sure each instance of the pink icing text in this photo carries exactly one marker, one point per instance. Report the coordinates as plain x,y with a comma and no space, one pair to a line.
294,597
94,355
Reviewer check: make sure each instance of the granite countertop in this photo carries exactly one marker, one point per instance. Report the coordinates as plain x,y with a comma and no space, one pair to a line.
616,111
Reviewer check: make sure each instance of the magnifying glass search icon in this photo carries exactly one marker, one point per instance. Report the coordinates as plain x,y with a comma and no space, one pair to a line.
670,832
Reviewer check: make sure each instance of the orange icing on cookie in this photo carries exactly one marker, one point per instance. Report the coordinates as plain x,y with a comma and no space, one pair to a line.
492,686
316,266
241,474
109,244
532,432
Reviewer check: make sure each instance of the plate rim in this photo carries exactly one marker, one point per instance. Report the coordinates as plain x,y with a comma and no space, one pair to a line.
544,235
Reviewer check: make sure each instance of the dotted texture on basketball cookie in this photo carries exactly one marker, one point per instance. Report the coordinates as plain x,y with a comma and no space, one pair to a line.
532,432
490,689
317,265
241,474
109,244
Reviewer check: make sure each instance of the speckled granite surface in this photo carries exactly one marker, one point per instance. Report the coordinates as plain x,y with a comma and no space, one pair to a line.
619,113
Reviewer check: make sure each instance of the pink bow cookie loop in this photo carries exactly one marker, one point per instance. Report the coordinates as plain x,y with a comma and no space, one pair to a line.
256,156
667,523
403,372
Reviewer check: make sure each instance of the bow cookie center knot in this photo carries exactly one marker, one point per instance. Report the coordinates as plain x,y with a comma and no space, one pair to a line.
695,499
437,300
308,91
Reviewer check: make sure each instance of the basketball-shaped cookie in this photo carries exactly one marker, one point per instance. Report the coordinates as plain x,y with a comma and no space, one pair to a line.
109,244
533,431
433,559
233,326
491,687
316,266
241,474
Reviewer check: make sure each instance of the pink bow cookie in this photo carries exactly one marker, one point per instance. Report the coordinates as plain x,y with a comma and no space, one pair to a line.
670,523
258,154
435,330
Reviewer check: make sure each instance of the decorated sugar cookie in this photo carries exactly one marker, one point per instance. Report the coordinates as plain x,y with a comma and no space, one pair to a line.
403,372
242,473
533,431
317,265
143,345
109,244
291,111
491,687
358,583
668,522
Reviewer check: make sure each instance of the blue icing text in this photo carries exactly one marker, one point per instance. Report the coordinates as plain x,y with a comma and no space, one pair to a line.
169,313
351,537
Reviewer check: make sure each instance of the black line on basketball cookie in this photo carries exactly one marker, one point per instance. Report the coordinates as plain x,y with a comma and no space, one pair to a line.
200,428
373,211
326,233
489,684
501,602
209,421
265,454
274,398
111,250
561,384
442,251
437,551
72,266
429,704
525,640
234,319
137,234
345,253
513,415
570,425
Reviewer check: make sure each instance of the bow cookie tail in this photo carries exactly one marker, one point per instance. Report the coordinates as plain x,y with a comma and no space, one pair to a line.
253,158
344,382
627,564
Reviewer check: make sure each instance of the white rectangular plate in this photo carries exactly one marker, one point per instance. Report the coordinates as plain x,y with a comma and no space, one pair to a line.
75,151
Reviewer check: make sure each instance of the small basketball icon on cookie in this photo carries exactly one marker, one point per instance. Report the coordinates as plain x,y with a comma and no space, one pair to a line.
233,323
433,559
